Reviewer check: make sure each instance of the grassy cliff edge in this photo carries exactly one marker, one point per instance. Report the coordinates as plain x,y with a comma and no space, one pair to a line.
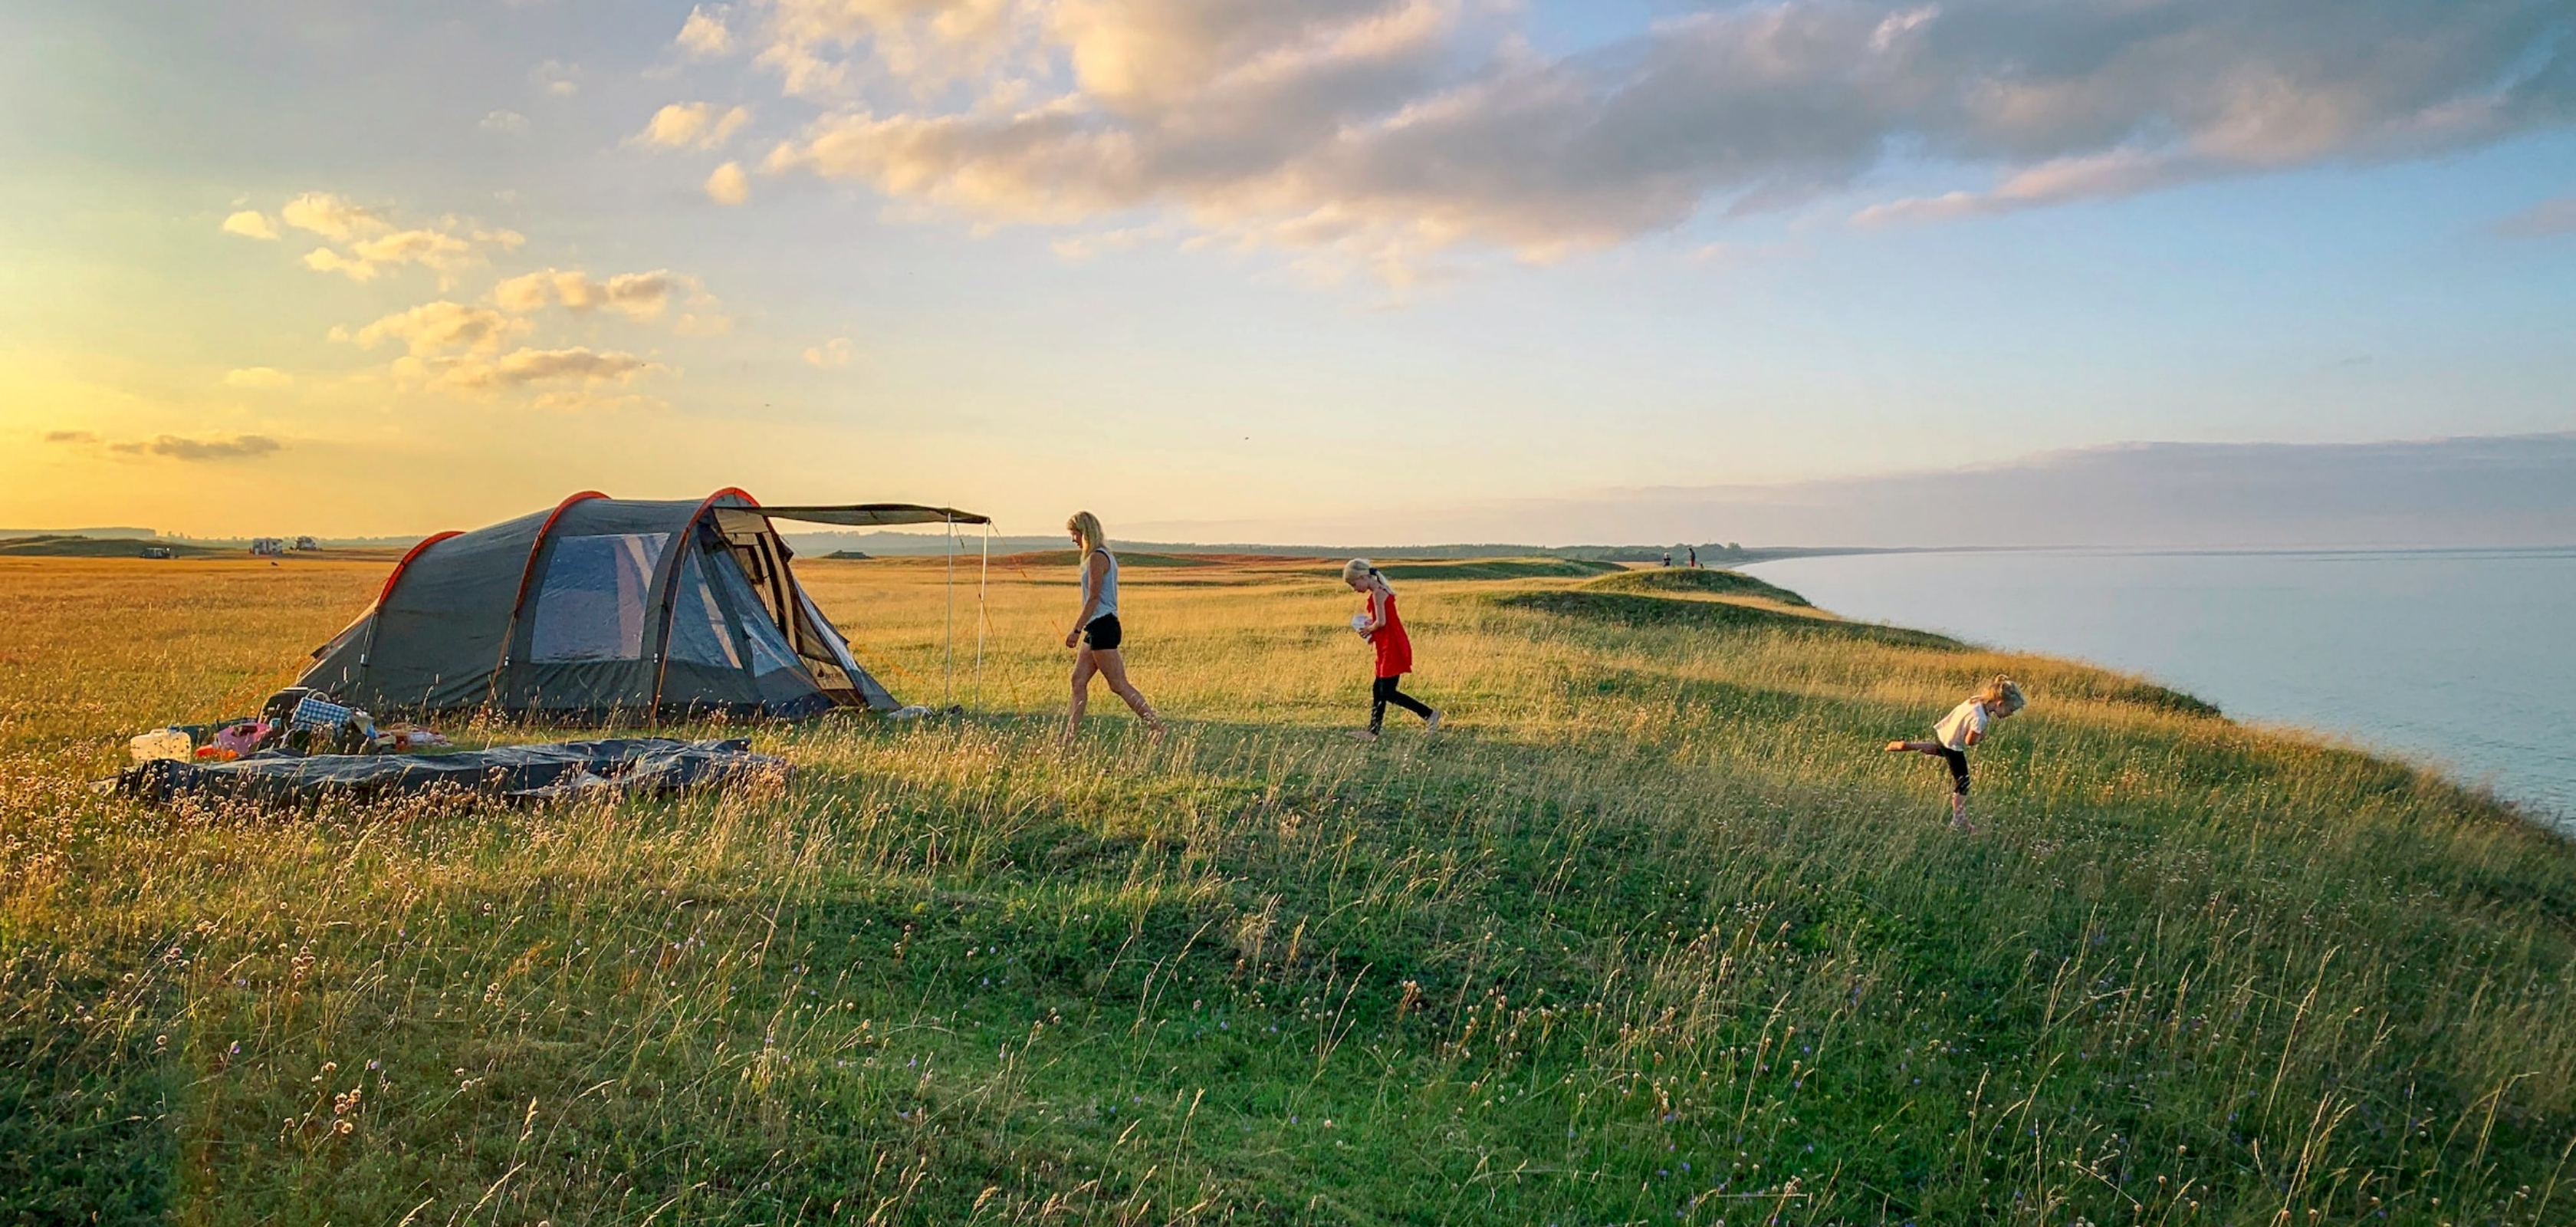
1656,934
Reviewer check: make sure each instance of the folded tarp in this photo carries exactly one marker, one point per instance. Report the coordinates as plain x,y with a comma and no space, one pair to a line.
534,772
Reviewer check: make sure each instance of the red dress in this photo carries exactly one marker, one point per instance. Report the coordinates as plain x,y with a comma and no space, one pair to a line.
1394,648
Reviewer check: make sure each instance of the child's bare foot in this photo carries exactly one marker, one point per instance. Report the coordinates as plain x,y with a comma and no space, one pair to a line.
1363,734
1894,746
1963,826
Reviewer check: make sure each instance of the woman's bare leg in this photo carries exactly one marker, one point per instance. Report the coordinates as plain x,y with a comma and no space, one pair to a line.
1114,669
1083,668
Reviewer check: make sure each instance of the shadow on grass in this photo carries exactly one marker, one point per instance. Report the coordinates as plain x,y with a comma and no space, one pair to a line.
84,1137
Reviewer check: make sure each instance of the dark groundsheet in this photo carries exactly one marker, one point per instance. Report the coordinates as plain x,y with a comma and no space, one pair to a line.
533,772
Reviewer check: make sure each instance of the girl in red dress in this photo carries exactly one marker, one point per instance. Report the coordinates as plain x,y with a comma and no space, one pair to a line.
1384,629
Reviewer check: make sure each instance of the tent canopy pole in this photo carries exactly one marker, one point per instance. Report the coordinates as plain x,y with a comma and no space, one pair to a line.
948,687
983,616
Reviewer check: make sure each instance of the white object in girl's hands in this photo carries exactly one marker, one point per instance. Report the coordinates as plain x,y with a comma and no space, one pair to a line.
1359,622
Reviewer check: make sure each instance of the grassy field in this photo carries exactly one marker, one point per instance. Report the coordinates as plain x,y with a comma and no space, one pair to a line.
1653,934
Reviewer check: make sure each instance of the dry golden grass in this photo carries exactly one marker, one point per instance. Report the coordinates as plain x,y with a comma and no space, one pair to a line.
1655,935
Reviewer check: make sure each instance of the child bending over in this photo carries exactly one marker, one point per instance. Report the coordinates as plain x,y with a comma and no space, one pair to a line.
1965,726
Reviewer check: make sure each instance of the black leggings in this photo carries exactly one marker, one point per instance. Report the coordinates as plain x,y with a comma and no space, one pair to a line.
1383,693
1958,760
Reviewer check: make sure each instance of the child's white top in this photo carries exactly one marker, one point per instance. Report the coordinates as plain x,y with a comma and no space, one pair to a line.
1966,718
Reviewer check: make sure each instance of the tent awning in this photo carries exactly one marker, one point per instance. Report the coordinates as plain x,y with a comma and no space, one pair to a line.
873,515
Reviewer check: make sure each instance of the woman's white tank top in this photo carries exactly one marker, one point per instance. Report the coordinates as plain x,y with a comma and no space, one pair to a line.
1108,586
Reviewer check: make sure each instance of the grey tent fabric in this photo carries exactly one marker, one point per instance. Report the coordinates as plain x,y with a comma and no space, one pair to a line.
602,609
874,515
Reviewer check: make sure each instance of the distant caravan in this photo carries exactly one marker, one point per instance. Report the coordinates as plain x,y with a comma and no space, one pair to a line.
606,609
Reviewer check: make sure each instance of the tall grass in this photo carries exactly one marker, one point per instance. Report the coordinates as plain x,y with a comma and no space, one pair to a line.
1655,935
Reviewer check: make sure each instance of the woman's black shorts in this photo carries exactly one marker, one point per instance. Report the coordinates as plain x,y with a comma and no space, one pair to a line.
1958,760
1103,633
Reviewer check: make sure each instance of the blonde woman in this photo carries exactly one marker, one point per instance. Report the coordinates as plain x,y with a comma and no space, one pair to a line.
1096,634
1965,726
1384,629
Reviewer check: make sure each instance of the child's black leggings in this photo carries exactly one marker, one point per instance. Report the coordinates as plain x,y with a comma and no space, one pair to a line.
1383,693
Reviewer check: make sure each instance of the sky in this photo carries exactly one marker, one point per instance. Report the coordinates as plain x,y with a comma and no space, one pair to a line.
1400,270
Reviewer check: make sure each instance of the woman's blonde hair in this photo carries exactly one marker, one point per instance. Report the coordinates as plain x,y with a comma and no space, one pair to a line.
1085,525
1356,568
2005,693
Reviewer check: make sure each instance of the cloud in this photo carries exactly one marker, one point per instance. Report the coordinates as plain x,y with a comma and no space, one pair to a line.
257,377
557,78
726,185
2541,220
250,224
333,217
692,125
2124,172
369,243
526,367
704,33
458,348
70,436
1382,132
440,250
835,352
638,296
180,447
504,121
436,327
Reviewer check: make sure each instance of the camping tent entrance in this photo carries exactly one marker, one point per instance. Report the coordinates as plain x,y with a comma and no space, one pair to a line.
605,609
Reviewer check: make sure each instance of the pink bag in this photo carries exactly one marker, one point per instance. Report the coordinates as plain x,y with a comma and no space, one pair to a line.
241,738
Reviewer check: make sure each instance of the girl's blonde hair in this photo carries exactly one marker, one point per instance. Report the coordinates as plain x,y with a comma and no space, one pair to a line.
2005,693
1355,569
1085,525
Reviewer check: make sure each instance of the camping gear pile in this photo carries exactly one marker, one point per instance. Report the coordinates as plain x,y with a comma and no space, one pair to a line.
297,720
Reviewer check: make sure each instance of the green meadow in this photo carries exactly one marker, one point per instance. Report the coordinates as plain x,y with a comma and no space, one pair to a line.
1651,933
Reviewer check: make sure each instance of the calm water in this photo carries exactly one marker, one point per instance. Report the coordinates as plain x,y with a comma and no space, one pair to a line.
2462,659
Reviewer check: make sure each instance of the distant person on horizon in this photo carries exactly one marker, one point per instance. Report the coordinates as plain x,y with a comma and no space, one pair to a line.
1694,558
1668,558
1965,726
1096,634
1384,629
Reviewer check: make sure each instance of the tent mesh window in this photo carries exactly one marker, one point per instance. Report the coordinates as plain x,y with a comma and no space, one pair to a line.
595,597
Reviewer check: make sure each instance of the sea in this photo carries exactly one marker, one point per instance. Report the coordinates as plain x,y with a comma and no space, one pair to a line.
2463,660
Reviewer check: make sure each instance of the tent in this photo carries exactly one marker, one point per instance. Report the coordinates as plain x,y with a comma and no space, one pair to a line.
609,607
